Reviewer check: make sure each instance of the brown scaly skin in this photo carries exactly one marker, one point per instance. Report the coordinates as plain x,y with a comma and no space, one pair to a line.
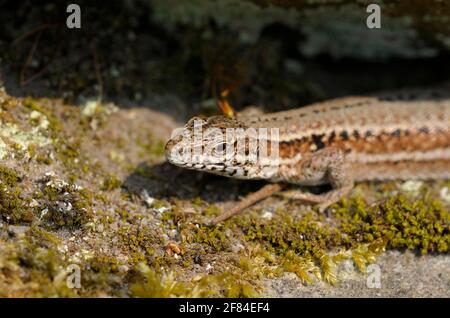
400,135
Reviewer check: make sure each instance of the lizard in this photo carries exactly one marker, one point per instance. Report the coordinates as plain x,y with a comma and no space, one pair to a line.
400,135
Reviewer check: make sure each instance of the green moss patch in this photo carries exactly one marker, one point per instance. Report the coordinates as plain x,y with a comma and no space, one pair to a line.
63,204
14,208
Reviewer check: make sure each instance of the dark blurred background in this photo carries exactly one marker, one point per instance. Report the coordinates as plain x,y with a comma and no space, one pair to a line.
176,56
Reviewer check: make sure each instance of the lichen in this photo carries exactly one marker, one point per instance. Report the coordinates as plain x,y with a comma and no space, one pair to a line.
18,139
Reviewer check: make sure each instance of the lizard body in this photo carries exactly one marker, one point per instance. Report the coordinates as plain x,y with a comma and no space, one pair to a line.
402,135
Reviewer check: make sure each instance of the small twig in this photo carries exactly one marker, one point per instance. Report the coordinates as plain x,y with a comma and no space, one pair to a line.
37,29
249,200
29,58
43,69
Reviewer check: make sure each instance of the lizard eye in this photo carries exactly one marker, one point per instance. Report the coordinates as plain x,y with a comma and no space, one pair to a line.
220,148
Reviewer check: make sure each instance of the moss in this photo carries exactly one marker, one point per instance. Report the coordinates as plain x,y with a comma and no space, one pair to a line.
9,176
7,117
283,234
65,205
197,201
67,153
304,245
157,285
44,159
67,148
34,104
211,211
158,148
111,183
213,237
310,244
401,222
40,236
13,207
159,204
123,213
140,244
104,264
150,146
242,290
34,266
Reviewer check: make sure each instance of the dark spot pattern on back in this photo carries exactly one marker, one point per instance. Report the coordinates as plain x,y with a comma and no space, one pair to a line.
317,140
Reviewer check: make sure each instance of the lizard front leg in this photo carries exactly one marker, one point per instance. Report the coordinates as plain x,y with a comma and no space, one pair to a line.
326,166
252,198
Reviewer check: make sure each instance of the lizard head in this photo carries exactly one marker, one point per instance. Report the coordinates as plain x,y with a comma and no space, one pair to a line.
218,144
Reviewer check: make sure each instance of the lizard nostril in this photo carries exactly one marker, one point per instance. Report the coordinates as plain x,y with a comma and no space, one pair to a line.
169,145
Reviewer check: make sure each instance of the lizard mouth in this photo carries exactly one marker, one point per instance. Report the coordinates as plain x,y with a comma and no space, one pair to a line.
170,153
174,155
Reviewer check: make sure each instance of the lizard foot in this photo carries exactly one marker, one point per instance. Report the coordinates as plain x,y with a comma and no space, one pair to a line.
321,201
265,192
